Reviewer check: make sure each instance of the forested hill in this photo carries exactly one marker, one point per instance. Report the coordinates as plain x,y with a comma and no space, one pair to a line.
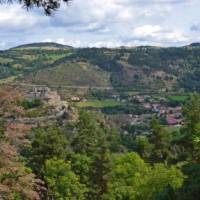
44,45
145,67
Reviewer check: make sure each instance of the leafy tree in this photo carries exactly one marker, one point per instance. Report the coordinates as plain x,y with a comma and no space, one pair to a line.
48,6
191,186
159,178
133,179
81,165
196,143
127,176
47,143
62,183
143,147
168,194
28,104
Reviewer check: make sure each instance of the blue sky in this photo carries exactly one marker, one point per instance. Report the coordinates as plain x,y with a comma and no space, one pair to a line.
109,23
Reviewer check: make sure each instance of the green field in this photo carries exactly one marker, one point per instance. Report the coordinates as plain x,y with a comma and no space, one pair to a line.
178,98
99,104
172,128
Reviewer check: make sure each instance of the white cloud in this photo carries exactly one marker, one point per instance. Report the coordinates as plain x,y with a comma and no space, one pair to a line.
147,30
156,33
79,43
104,23
15,17
176,36
47,40
2,45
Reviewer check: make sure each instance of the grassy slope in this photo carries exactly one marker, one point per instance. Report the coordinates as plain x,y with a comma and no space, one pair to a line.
72,74
17,62
99,104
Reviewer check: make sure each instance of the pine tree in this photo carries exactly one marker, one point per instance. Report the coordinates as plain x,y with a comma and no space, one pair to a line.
100,170
160,140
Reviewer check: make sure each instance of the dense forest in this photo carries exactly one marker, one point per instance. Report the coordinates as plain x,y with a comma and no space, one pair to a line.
88,159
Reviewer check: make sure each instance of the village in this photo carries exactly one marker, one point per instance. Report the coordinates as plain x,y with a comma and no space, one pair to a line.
131,113
169,112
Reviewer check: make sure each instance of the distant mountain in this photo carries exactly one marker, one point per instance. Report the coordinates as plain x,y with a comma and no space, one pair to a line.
43,45
138,68
197,44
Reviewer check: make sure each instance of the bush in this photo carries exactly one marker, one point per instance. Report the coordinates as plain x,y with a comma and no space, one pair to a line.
29,104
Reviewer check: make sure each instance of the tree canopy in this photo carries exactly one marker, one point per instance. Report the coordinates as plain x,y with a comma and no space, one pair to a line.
85,159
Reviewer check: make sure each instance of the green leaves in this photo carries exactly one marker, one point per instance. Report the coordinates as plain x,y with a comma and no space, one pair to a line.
160,140
47,143
191,130
63,184
132,178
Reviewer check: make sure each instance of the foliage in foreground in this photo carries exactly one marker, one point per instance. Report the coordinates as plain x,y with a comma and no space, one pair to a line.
87,160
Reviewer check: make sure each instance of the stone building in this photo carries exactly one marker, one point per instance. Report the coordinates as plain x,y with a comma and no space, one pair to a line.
52,98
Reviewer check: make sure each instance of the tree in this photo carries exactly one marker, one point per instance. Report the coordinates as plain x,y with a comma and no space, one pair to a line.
87,134
133,179
100,170
81,165
191,187
47,5
15,178
84,141
48,143
91,140
17,181
191,130
190,140
159,178
160,140
62,183
191,112
143,147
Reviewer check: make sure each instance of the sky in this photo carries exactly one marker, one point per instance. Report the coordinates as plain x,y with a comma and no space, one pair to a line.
108,23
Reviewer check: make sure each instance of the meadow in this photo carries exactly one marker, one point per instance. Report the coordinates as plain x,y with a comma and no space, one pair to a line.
99,104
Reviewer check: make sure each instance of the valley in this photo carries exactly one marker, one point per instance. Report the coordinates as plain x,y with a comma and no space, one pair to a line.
99,100
117,113
128,85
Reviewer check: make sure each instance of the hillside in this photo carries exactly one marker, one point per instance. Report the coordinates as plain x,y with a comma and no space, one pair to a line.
72,74
139,68
44,45
59,144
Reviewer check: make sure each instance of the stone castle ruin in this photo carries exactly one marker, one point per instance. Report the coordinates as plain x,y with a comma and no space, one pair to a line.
48,96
